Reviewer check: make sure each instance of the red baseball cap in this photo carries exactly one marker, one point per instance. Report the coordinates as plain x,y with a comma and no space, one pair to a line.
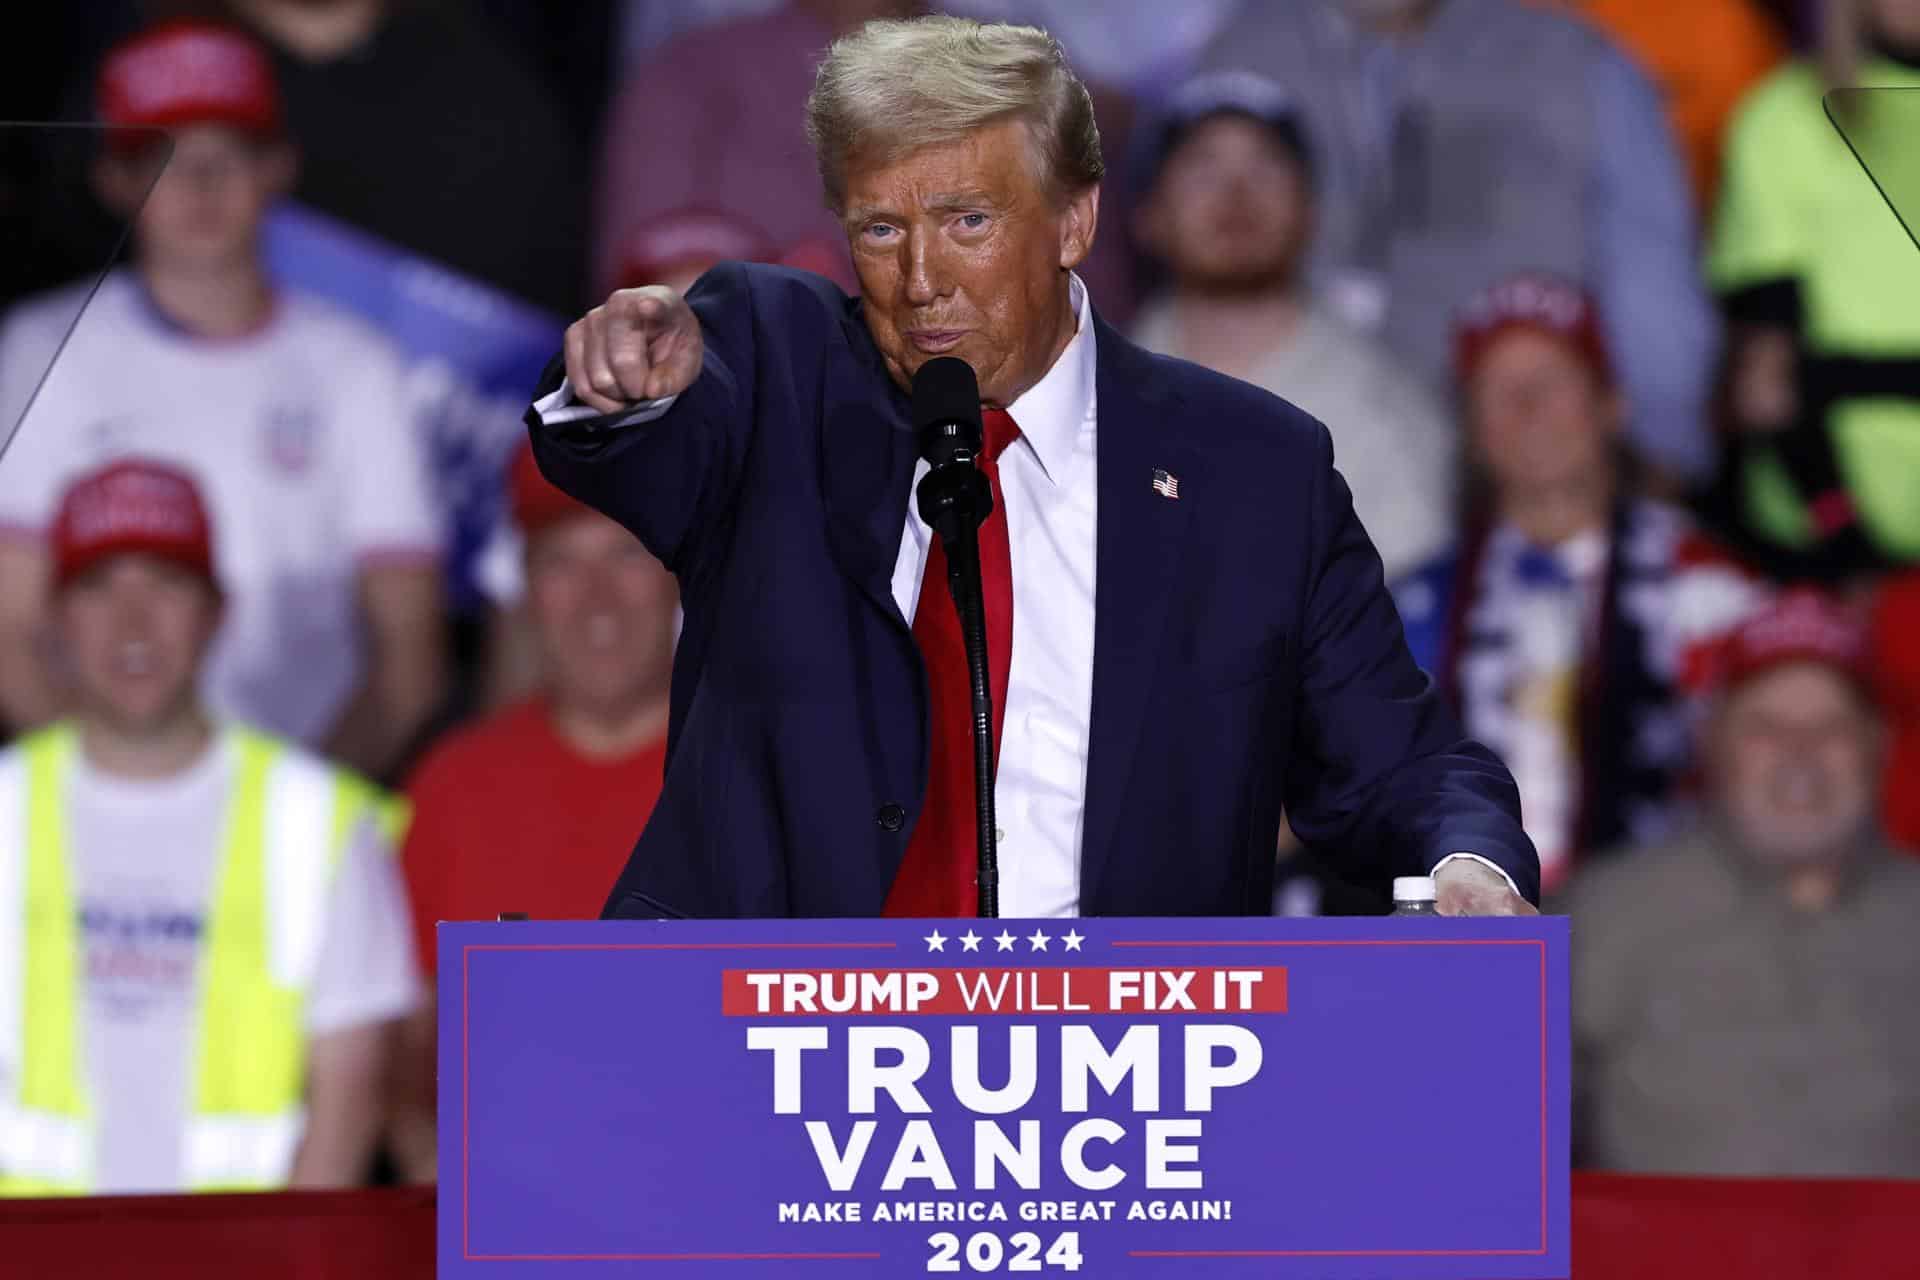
1534,300
189,72
535,502
132,506
1803,625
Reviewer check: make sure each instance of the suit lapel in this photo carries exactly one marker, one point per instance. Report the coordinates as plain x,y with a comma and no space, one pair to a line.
868,457
867,461
1138,544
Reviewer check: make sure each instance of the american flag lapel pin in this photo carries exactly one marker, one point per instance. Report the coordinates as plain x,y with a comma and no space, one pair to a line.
1166,484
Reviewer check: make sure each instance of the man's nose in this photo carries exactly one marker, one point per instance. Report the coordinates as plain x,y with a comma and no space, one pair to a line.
131,618
1527,401
202,175
926,276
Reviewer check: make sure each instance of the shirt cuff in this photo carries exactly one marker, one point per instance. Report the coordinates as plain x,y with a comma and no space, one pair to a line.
560,408
1474,857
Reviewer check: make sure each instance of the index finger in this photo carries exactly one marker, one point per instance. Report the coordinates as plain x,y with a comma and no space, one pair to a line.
578,376
641,313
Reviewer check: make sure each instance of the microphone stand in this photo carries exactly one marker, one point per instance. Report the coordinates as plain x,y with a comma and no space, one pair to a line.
954,500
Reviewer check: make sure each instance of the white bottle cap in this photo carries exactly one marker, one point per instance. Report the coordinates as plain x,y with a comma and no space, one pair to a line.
1413,889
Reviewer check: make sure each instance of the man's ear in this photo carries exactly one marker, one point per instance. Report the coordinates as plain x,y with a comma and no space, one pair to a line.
217,610
281,165
1077,223
1615,409
116,185
1879,736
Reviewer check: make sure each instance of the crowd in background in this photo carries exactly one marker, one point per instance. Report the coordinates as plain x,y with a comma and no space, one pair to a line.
1617,342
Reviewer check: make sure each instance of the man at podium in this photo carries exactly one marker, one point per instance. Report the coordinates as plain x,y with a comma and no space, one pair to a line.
1189,625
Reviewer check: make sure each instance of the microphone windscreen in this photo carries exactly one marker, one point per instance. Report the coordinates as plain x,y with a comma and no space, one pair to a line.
945,393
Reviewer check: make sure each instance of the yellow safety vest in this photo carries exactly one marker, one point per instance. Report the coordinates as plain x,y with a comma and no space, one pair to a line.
289,819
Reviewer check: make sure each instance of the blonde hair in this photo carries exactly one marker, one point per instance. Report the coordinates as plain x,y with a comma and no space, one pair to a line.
894,86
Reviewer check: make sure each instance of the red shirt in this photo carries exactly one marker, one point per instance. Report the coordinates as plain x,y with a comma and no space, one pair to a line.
508,817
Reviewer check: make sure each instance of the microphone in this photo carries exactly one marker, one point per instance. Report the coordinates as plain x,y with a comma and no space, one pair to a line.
955,497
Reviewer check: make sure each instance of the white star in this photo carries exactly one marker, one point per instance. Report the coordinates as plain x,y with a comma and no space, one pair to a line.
935,942
1039,940
969,941
1073,939
1005,940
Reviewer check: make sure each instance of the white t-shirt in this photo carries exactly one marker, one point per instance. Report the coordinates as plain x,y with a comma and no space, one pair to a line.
1392,441
308,469
145,854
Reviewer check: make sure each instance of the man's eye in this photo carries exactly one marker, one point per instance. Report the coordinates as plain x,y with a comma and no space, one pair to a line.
973,221
878,231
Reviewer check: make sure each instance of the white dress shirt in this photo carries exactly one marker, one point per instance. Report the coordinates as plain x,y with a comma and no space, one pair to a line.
1047,478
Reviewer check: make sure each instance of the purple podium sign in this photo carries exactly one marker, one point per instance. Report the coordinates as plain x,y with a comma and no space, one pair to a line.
1337,1099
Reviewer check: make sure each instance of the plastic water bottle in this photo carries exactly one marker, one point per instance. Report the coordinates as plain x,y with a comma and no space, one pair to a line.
1413,896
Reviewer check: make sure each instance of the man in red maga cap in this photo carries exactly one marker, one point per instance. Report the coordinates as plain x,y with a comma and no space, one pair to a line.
279,406
1740,992
204,924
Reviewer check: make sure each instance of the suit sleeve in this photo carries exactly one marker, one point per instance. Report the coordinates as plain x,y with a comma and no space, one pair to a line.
1381,773
669,479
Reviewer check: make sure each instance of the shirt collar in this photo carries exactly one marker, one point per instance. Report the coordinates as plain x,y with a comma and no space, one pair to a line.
1051,413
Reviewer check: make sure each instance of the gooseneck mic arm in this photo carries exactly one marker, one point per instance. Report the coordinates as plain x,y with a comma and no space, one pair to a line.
955,498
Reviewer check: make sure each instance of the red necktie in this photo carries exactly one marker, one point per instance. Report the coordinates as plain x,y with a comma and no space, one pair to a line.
936,878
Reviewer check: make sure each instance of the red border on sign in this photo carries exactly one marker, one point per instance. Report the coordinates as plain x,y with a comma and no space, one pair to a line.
468,1255
1537,943
466,1248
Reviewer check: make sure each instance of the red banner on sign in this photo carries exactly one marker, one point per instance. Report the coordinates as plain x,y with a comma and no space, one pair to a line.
766,993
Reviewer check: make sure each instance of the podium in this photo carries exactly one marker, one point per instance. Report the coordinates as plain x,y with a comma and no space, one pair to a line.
1335,1099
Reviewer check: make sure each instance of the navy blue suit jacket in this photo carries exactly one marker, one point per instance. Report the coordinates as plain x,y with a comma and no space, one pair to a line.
1247,656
